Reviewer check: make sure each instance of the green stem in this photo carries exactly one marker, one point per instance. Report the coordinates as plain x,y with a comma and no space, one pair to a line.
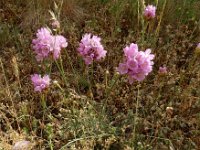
61,69
50,67
51,144
90,78
43,102
142,6
156,3
70,62
161,16
44,106
61,4
80,139
138,11
61,64
108,91
92,73
136,115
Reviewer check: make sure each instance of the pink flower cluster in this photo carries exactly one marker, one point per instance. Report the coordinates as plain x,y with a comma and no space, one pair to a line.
162,70
46,44
40,83
137,64
90,48
150,12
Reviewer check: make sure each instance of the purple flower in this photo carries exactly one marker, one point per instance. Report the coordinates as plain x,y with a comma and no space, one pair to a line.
46,44
22,145
162,70
59,42
40,83
42,45
123,68
90,48
131,51
137,64
150,12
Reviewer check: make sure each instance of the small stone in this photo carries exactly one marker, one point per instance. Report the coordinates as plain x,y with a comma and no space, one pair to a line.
22,145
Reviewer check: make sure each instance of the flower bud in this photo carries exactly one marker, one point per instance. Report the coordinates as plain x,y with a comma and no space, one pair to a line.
162,70
169,111
150,12
55,24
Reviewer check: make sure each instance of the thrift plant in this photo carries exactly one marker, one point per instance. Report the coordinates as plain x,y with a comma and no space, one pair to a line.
87,106
42,45
59,42
90,48
40,83
46,44
150,12
137,64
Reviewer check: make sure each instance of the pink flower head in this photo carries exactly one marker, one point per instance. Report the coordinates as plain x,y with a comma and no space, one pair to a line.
59,42
42,45
137,64
40,83
46,44
90,48
162,70
150,12
131,51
